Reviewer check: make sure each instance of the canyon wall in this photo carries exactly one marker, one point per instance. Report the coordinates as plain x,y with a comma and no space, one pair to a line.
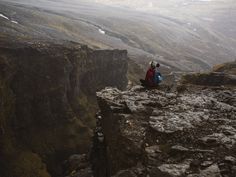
47,102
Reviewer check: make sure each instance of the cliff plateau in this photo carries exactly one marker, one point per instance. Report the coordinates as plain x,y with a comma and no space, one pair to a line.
184,131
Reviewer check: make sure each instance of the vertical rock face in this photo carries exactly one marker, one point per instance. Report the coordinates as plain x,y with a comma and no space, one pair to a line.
47,94
162,132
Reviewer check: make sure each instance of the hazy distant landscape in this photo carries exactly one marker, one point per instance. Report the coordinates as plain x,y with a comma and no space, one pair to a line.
184,34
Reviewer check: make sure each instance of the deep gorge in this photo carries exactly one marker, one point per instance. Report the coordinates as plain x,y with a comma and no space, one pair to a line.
48,103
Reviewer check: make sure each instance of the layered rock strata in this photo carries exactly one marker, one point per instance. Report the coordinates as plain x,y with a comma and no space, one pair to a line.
47,102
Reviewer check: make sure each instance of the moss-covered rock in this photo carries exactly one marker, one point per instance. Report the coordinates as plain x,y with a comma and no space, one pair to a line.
47,101
209,79
229,68
223,74
28,164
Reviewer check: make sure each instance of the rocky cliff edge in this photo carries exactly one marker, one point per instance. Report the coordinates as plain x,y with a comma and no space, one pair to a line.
188,130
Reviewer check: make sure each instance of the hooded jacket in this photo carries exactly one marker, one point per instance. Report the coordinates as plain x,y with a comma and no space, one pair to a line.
150,77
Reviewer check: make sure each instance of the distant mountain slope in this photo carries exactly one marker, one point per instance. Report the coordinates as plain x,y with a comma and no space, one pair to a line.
181,41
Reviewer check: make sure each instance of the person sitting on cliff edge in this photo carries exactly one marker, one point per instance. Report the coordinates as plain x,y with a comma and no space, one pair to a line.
153,76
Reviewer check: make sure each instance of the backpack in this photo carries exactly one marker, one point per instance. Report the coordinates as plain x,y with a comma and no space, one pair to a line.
158,78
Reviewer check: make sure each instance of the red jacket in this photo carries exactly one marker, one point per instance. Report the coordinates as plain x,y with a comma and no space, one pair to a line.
150,77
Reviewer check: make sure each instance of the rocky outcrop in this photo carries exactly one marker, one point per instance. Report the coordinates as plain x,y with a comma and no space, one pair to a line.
229,68
170,132
210,79
47,102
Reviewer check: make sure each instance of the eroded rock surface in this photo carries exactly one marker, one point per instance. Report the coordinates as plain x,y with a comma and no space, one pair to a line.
152,133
